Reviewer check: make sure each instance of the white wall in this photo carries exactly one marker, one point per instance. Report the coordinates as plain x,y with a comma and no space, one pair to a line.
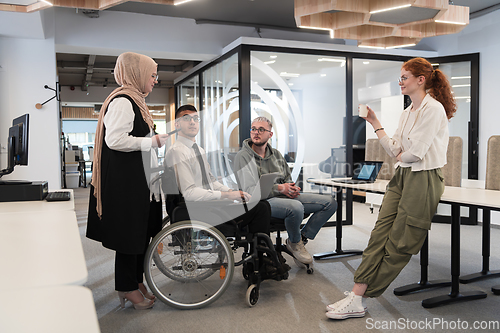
28,65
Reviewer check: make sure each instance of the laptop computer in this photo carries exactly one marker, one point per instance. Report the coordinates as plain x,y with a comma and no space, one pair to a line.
264,186
367,172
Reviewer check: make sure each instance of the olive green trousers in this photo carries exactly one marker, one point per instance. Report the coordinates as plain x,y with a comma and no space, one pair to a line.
405,216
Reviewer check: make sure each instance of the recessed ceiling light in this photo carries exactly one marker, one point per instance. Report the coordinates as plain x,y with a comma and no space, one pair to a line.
290,84
397,46
392,8
460,85
322,75
331,59
285,74
273,56
318,28
371,47
180,2
269,62
450,22
366,62
460,77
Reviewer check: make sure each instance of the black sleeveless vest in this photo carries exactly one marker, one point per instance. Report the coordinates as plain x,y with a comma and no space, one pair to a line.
126,224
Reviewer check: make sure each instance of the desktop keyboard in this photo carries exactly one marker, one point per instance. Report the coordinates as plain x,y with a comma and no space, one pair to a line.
58,196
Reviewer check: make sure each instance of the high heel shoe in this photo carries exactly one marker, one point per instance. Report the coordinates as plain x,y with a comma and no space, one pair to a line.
150,296
146,293
143,305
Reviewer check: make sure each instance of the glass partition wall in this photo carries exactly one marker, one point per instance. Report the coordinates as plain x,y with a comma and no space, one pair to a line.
311,97
304,97
220,117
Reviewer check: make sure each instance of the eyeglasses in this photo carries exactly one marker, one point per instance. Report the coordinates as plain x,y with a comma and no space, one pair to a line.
155,76
188,118
402,79
261,130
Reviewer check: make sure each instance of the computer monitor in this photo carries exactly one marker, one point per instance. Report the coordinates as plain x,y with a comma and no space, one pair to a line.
21,148
17,147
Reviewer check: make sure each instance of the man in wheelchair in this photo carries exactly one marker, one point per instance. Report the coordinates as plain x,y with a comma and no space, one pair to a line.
201,197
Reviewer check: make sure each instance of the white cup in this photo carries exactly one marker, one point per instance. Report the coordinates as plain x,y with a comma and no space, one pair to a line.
362,110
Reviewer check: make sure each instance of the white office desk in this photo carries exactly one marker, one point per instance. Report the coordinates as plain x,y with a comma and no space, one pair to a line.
60,309
456,196
39,249
38,205
460,195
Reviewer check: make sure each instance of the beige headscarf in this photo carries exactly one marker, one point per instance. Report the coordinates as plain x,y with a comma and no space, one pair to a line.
132,73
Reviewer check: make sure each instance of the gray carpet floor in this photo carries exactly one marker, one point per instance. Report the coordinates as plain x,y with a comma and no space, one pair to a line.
297,304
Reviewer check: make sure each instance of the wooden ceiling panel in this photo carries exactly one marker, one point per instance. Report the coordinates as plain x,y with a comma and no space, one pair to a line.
373,22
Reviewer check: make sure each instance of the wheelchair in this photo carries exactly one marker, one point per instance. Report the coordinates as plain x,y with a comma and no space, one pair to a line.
190,263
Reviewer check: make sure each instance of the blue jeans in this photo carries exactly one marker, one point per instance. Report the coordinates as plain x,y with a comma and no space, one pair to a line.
322,207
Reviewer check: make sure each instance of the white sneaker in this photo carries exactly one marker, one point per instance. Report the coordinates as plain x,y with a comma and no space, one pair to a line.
349,307
299,251
335,305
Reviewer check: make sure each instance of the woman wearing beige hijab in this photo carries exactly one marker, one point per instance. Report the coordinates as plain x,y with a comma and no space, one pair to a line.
123,212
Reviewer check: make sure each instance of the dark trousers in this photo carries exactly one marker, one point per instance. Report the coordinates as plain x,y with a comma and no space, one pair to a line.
216,212
129,268
129,271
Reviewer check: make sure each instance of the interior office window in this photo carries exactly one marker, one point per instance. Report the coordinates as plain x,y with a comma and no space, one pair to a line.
459,74
304,96
80,133
220,117
188,92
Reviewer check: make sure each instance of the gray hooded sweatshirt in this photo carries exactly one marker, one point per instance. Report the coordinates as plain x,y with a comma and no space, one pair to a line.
249,166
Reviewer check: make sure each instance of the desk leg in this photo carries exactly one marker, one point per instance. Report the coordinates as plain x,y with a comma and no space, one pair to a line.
338,228
84,174
424,283
485,273
455,295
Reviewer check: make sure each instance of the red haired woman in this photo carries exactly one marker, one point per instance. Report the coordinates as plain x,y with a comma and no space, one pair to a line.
419,145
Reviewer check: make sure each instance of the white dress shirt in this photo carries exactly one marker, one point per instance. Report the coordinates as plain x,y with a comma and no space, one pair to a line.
188,172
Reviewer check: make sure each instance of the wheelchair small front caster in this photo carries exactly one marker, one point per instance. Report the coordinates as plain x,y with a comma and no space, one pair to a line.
252,296
308,267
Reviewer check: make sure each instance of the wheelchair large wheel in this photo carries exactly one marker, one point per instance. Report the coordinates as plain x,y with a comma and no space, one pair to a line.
189,264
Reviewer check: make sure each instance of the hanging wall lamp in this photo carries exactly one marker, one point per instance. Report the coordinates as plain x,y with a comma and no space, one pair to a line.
56,96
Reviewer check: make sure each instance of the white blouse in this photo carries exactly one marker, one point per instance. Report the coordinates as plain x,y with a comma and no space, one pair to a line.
119,122
422,135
